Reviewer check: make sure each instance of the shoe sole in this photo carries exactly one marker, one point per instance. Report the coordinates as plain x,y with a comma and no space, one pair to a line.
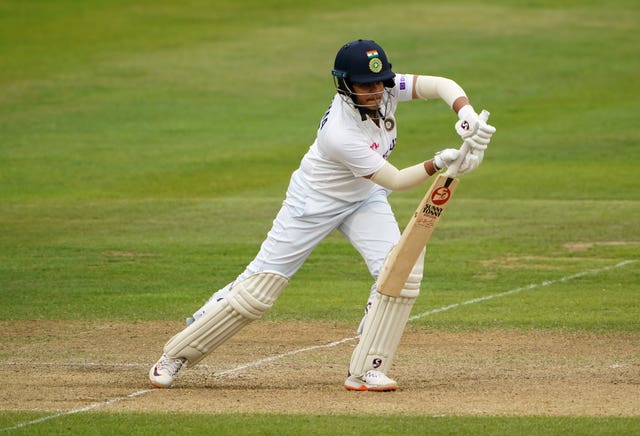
364,388
158,385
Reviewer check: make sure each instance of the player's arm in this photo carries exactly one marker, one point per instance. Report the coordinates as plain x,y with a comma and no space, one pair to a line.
428,87
394,179
469,126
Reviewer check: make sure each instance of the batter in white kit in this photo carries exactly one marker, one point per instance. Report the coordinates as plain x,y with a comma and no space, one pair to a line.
342,183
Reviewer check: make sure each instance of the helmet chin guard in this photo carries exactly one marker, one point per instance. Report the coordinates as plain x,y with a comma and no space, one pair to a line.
351,98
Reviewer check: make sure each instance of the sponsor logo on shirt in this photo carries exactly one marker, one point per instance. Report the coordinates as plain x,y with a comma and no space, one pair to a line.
393,145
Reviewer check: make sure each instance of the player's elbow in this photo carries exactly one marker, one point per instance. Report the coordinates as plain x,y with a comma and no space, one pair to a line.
399,180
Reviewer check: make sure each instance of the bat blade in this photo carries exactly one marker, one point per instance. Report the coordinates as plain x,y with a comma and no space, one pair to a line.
416,235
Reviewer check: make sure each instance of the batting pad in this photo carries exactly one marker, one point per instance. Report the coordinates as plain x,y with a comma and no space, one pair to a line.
381,334
247,301
384,325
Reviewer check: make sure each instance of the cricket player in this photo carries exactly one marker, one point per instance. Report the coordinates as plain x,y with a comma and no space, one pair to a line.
342,184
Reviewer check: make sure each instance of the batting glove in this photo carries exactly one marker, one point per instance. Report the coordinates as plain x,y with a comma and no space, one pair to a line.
469,163
468,122
479,142
446,157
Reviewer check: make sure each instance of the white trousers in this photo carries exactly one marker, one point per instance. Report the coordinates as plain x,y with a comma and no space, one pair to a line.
307,217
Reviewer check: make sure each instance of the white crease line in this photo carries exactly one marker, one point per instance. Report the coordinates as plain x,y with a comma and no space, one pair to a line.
77,364
523,288
280,356
331,344
79,410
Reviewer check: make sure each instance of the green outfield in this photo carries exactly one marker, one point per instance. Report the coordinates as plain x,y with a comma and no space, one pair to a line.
146,146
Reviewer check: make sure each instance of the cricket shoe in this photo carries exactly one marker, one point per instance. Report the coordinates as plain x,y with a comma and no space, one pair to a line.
162,374
370,381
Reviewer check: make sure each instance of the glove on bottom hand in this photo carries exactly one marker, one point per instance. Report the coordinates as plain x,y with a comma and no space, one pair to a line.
444,158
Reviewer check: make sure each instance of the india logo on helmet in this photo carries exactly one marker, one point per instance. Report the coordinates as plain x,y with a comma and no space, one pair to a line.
375,65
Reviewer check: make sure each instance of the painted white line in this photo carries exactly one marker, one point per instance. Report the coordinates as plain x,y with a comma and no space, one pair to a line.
280,356
78,364
329,345
78,410
523,288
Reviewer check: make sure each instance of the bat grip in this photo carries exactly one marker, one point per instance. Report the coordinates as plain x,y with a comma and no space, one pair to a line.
452,171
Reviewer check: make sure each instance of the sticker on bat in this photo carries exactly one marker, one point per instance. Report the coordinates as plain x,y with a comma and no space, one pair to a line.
432,210
440,196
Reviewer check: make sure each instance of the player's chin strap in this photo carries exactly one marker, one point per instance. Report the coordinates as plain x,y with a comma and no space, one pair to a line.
384,325
452,170
349,97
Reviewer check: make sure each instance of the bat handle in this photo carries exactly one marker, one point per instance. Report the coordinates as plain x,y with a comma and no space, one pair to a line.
452,171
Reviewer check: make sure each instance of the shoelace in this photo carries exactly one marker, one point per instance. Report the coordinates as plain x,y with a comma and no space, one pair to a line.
172,365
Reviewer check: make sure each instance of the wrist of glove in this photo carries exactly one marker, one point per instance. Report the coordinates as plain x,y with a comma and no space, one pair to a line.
470,125
468,121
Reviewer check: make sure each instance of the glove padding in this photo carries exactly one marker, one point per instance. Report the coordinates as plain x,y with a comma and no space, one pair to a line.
469,164
478,142
470,124
444,158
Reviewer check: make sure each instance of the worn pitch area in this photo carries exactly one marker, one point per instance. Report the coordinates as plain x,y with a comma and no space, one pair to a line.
60,366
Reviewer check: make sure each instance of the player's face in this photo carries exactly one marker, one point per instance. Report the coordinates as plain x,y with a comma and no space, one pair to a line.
369,95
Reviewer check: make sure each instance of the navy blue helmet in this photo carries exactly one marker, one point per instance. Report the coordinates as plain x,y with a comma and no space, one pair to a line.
363,61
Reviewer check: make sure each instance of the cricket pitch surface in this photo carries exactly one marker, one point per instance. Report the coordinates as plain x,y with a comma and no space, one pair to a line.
299,367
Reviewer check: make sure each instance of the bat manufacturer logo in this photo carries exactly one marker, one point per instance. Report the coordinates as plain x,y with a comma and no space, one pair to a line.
432,210
440,196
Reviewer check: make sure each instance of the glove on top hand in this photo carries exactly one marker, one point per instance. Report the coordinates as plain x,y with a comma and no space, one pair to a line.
474,131
470,124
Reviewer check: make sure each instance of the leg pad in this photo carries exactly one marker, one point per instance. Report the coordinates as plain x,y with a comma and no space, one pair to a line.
384,324
247,301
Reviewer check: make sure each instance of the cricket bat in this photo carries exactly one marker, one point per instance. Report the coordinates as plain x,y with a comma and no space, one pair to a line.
416,235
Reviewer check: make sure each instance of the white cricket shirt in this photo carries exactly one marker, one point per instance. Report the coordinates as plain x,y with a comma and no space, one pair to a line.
346,148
